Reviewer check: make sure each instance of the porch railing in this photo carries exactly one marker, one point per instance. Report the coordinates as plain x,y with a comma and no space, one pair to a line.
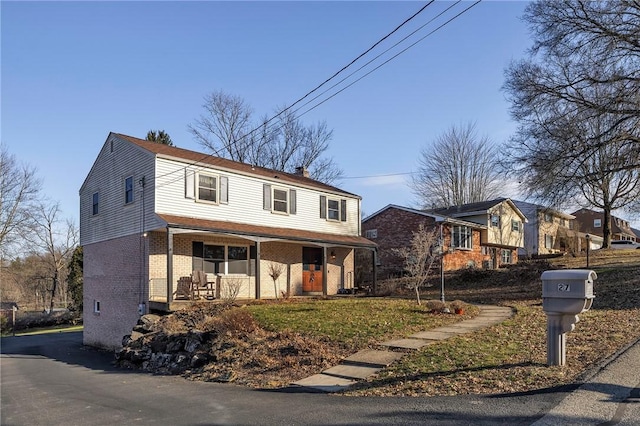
158,290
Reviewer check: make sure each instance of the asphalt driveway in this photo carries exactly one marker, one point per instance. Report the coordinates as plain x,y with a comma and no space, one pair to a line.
52,379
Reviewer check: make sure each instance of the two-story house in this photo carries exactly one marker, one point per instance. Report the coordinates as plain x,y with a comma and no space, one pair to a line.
590,221
154,218
393,227
504,232
548,231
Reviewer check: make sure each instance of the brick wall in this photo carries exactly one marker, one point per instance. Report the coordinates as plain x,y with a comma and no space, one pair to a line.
114,277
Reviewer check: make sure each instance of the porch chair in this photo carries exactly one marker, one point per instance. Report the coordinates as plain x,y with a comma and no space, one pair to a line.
200,284
184,290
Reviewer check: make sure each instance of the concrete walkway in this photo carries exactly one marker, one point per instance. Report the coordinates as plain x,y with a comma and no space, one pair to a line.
370,361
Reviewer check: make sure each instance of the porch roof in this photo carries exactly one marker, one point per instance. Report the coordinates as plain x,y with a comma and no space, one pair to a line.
264,232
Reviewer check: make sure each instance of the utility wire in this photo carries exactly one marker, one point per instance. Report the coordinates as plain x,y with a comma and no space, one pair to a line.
349,85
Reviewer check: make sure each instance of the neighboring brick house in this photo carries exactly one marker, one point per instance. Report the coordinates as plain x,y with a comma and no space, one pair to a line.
153,217
393,227
548,231
591,222
503,221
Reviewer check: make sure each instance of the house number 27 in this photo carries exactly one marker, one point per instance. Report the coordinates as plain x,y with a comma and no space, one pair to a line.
564,287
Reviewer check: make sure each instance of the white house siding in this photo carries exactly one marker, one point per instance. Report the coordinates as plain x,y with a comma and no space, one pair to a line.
107,178
245,202
114,276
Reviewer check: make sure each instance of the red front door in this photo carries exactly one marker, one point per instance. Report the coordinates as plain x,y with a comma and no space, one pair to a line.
311,270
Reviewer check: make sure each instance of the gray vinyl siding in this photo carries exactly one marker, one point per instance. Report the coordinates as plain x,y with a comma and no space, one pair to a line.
115,218
245,201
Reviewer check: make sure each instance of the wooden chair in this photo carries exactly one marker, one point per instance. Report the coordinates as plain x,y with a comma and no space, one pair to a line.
184,290
200,284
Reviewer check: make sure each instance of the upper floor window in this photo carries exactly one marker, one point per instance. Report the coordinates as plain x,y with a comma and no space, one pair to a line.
279,200
563,222
207,189
495,220
333,209
597,223
371,233
515,225
461,237
128,190
96,200
548,217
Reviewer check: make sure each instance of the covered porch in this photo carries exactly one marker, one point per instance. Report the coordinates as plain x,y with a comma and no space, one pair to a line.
209,261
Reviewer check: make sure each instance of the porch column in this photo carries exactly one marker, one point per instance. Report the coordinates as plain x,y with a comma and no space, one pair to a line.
257,269
324,271
375,270
169,265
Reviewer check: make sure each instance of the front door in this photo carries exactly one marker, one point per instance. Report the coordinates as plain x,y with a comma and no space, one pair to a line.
311,270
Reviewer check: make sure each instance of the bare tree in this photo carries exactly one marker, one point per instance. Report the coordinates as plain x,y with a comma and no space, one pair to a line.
576,101
459,167
275,270
419,257
54,243
282,143
19,187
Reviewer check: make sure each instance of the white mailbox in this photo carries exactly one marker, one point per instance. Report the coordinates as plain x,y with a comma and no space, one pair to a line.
565,294
568,284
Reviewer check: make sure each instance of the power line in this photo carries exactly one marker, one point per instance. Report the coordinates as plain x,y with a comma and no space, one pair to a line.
262,125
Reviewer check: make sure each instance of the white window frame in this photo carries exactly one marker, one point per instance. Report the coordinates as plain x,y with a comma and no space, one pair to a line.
371,233
548,241
494,220
515,225
597,223
274,201
339,213
548,217
506,256
126,190
468,233
216,189
224,266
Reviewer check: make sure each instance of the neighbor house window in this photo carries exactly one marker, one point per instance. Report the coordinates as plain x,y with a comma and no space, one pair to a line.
495,220
506,256
96,199
371,233
548,241
548,217
597,223
571,224
461,237
515,225
207,188
128,190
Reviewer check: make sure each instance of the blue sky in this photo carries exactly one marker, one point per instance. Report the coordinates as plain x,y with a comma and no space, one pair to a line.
74,71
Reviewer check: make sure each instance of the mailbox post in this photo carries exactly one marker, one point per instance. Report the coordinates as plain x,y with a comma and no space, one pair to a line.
565,294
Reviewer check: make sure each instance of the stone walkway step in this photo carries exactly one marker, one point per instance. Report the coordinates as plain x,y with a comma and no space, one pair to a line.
367,362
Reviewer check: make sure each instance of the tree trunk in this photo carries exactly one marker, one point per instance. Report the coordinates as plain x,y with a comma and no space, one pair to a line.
606,227
53,290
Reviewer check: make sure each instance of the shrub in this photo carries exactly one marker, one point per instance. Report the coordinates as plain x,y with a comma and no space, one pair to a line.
435,305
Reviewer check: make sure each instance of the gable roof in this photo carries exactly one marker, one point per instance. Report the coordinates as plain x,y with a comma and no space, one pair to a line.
522,205
481,207
436,217
199,158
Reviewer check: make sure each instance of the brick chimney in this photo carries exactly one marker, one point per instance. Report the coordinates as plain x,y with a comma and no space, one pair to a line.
302,171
